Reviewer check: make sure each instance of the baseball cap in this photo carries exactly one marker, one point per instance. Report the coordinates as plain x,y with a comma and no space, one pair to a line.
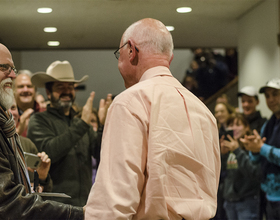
248,90
274,83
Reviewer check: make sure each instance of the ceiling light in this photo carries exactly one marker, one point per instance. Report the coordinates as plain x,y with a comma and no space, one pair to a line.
53,43
44,10
184,9
50,29
170,28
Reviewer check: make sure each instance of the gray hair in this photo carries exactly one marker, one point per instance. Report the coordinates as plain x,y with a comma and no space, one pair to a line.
26,72
152,35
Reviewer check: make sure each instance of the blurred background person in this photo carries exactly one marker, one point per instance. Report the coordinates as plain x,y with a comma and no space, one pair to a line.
40,99
250,100
241,190
223,112
25,92
265,149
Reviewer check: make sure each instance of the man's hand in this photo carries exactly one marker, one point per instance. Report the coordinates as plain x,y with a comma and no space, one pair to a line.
23,121
253,142
44,167
103,108
87,109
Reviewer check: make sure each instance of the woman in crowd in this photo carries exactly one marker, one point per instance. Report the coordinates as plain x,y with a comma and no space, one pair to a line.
223,112
242,180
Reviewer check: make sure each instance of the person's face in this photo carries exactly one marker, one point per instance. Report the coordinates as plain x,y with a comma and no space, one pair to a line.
93,122
249,104
62,95
239,129
272,97
14,111
221,113
6,77
41,101
24,90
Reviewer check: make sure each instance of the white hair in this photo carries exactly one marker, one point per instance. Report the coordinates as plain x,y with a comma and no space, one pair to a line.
152,35
6,94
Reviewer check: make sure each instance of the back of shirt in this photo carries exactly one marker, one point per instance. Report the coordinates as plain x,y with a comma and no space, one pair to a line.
160,156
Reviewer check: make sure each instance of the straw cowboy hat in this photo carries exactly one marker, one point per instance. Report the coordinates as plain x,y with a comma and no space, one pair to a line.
58,71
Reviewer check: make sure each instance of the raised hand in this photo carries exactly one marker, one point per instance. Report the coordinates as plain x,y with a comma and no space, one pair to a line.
231,145
44,167
103,108
87,109
253,142
23,121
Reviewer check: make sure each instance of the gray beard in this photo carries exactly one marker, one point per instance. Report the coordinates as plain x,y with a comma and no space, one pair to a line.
6,95
58,104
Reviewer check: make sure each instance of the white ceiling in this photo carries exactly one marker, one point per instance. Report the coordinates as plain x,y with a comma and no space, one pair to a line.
99,24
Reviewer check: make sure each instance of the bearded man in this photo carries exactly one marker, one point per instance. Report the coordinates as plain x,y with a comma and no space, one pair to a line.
69,141
16,198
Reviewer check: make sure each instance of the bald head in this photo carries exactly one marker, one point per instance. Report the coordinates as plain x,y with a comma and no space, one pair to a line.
7,74
5,55
151,35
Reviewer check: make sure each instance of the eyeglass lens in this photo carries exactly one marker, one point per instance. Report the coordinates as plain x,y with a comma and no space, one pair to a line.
7,69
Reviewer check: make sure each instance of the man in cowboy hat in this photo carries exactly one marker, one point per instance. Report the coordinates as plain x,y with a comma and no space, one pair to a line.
69,141
16,199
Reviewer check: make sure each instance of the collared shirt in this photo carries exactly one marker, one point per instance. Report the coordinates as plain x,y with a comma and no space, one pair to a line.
160,156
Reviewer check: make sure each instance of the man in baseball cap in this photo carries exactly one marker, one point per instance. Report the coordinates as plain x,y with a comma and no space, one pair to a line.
249,101
265,149
70,141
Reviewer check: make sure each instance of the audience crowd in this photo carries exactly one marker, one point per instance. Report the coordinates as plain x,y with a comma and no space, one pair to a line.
210,71
249,146
67,140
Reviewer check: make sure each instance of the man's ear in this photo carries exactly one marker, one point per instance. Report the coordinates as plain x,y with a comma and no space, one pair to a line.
133,54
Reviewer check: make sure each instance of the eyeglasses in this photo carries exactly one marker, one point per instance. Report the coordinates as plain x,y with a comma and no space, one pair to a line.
7,69
117,52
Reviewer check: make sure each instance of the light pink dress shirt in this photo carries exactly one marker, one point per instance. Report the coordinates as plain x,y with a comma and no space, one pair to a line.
160,156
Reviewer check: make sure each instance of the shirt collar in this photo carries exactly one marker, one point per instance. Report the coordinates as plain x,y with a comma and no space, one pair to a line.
155,71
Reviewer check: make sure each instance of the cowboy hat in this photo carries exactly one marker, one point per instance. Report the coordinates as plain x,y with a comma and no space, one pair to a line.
61,71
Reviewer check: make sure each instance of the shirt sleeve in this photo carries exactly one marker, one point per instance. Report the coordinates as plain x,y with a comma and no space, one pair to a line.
120,178
272,154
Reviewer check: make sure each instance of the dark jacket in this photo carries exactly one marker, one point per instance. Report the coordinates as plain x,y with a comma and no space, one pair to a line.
256,121
70,143
15,203
242,177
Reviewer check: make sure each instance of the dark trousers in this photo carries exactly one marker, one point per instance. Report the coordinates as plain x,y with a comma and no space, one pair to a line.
272,210
247,209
